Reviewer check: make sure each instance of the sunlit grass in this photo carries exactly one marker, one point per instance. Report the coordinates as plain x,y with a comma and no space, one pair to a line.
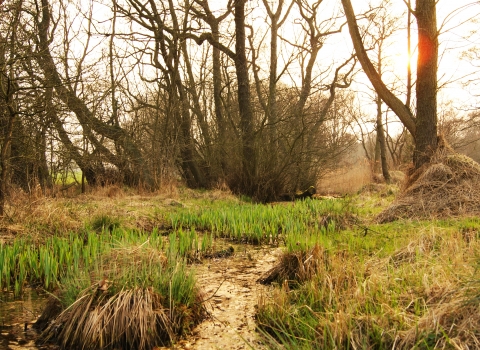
260,224
363,285
381,290
132,296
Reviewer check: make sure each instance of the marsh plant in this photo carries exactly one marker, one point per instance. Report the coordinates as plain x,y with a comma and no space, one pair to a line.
271,223
132,297
45,264
394,288
27,263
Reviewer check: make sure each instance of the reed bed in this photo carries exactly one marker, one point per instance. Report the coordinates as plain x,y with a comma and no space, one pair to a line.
26,263
264,224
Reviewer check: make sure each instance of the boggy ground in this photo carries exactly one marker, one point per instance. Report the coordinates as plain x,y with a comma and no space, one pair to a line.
231,291
229,283
403,284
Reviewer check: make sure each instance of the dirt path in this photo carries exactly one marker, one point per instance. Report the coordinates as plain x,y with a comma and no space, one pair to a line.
233,291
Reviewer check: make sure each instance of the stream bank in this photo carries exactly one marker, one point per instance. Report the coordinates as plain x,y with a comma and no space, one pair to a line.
231,293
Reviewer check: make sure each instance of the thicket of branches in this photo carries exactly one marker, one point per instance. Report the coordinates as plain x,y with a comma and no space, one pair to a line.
143,92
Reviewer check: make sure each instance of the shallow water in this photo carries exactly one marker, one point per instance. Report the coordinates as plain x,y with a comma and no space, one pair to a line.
17,316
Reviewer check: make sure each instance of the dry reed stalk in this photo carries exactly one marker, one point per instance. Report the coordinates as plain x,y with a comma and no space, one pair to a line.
131,318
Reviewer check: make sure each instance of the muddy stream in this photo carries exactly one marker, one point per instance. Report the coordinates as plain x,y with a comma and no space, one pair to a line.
230,288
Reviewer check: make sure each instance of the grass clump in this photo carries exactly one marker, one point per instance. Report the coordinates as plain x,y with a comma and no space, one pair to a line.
297,267
104,223
447,186
133,297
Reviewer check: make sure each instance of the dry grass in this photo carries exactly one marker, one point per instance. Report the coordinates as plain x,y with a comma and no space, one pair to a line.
131,318
454,323
40,216
296,267
447,186
423,295
346,180
396,177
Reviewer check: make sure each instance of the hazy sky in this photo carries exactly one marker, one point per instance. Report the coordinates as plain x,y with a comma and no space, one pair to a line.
453,17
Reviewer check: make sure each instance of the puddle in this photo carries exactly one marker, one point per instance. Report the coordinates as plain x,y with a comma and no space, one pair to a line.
17,316
231,293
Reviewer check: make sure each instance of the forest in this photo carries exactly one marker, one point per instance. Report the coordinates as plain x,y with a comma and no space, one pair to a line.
254,96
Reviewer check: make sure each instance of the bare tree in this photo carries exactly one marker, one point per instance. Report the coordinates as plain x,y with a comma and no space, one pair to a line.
8,108
130,162
423,127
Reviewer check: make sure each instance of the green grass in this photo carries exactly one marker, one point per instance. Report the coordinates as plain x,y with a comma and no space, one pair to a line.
69,177
384,288
408,284
260,224
132,296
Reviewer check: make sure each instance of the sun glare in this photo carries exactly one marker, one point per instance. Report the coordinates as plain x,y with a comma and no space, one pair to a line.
402,60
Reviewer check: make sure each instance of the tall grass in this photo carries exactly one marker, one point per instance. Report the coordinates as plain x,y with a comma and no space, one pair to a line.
133,296
45,264
23,262
401,286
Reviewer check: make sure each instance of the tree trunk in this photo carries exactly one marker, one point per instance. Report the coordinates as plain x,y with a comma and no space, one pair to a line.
8,106
5,161
424,127
426,90
397,106
244,103
217,100
381,141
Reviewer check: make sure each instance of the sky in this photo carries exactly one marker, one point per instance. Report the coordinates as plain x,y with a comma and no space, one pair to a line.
453,17
454,20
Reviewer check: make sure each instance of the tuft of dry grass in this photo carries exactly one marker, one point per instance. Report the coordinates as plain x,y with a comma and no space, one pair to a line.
296,267
138,299
130,318
447,186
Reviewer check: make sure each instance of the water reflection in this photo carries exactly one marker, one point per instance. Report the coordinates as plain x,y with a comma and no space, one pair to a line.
17,316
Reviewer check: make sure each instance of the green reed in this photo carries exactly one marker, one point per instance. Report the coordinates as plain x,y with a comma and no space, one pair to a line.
258,223
23,262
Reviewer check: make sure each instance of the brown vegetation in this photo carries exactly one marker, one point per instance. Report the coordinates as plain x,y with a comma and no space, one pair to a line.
131,318
448,185
297,267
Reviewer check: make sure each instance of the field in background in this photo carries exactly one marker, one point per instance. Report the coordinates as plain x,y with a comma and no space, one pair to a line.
346,180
